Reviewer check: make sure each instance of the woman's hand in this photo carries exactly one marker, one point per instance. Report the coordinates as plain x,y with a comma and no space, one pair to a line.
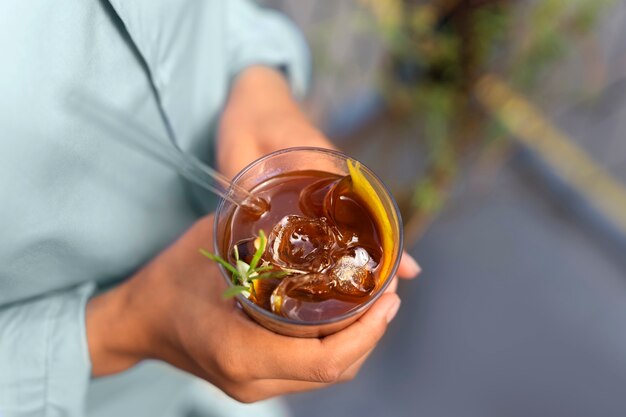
172,310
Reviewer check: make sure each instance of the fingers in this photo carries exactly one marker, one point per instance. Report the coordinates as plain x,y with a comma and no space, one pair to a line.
321,360
267,388
393,285
408,268
306,363
354,369
344,348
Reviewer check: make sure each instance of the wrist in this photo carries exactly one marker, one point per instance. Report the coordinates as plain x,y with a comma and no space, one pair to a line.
260,117
117,335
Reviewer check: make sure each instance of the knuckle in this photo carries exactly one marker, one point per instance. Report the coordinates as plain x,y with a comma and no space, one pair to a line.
230,367
327,373
246,397
244,394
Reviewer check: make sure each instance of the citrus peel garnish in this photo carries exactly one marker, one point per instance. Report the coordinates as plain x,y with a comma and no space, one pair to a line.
364,189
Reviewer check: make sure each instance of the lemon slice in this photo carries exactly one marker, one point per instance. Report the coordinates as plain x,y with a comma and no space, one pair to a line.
364,189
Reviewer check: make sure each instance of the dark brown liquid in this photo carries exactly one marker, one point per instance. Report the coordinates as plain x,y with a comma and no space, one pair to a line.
319,227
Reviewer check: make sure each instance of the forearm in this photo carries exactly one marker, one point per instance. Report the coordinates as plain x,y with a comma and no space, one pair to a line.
116,341
260,117
260,94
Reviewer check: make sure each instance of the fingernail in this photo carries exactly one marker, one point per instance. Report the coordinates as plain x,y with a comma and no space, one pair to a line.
413,265
393,310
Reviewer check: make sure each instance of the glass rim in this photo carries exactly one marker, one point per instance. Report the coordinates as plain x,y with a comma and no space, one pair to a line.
361,307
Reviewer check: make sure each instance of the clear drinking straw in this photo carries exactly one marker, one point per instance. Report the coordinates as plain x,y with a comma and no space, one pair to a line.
128,132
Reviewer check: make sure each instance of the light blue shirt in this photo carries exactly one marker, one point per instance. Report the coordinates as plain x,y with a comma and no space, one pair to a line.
77,208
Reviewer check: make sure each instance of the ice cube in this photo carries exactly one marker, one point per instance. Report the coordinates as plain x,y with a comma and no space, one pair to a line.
288,296
301,243
312,197
348,214
353,273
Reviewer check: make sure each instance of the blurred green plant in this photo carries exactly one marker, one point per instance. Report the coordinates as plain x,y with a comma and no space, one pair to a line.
437,53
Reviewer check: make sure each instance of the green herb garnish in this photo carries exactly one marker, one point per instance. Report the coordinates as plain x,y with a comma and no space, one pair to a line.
242,273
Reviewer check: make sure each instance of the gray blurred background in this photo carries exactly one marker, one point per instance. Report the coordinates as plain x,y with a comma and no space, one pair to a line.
501,128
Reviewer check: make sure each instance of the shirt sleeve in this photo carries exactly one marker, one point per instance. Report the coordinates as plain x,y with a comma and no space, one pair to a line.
44,360
255,35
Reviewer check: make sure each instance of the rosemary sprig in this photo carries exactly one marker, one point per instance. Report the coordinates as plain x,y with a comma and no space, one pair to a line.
242,273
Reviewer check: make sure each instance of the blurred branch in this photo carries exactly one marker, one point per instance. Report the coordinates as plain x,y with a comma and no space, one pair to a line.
440,51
